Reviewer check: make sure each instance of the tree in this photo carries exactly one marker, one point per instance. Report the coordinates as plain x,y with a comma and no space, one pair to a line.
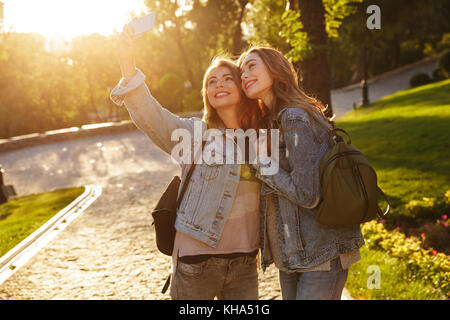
315,71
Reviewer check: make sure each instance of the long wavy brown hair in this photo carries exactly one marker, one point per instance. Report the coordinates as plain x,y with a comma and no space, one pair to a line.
285,86
250,113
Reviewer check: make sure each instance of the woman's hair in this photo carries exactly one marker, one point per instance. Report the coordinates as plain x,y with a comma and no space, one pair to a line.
285,81
249,110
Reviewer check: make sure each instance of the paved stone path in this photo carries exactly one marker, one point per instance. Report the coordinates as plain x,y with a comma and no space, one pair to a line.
109,252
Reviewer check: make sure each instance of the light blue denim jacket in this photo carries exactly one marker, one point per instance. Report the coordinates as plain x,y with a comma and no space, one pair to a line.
211,191
303,242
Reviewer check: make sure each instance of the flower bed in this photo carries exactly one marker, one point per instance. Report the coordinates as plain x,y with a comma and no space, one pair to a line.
433,267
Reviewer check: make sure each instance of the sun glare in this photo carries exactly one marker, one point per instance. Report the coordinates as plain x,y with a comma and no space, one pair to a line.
69,18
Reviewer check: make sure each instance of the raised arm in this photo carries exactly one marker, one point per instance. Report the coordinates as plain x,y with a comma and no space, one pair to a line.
146,112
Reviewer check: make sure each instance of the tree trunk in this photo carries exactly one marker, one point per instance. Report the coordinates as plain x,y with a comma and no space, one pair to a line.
237,37
315,71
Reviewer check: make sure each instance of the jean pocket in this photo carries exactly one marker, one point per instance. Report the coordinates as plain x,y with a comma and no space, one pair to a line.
192,269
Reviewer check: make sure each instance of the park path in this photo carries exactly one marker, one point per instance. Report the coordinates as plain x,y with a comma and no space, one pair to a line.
380,86
109,252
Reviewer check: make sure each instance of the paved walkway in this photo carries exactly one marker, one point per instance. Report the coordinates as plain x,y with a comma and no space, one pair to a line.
109,251
380,86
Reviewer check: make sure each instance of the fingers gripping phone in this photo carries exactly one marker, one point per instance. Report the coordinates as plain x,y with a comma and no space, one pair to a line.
143,24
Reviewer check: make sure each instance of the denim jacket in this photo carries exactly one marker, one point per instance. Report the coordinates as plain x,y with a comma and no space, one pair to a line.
211,191
303,242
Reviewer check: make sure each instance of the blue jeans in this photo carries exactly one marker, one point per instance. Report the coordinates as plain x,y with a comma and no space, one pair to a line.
314,285
226,279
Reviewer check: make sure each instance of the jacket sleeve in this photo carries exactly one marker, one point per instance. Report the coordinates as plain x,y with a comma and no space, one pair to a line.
301,185
147,113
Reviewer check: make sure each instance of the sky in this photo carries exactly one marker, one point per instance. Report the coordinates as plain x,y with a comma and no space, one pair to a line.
69,18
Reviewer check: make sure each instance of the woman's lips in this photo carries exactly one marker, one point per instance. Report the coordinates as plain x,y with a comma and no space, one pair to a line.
250,83
221,94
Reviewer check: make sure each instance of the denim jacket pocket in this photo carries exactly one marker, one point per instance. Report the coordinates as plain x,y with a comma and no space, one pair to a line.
210,172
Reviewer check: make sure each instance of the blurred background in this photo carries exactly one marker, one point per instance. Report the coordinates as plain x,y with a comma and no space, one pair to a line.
58,59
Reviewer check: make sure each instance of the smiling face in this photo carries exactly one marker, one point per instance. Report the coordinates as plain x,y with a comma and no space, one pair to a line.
221,89
256,79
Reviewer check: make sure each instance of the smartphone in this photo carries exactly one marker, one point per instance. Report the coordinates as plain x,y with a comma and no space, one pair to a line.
143,24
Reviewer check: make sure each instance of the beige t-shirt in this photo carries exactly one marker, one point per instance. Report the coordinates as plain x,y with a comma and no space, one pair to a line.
240,233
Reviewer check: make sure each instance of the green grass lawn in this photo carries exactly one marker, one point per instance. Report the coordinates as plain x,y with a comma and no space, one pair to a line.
22,216
406,138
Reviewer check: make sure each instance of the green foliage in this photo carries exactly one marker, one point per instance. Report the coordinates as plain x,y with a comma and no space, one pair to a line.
266,24
43,89
419,79
336,11
437,75
396,282
171,89
192,101
21,216
409,31
297,39
444,63
423,264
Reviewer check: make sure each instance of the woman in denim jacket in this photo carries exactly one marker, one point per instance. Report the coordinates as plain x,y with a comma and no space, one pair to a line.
217,222
313,259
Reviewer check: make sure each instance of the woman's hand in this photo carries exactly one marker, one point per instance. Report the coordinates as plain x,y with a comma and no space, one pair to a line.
126,52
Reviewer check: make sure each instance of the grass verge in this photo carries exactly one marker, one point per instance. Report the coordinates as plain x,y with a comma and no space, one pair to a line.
22,216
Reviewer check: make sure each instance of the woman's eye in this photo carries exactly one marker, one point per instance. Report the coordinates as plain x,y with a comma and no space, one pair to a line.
228,78
251,65
211,82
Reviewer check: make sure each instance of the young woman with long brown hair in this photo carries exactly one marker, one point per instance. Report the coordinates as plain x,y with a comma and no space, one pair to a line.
312,259
217,222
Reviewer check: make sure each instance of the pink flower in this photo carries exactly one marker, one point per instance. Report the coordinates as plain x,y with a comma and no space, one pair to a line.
445,224
444,217
422,235
434,252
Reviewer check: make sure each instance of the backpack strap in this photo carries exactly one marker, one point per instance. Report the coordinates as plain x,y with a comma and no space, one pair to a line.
388,209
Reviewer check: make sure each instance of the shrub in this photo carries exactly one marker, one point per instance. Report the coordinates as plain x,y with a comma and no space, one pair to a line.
437,237
419,79
437,75
429,265
444,63
192,101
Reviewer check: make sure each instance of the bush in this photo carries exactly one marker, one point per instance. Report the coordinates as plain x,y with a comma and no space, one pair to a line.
419,79
171,89
437,75
192,101
429,265
444,63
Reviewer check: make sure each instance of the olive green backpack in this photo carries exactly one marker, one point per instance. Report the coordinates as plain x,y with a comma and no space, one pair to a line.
349,189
